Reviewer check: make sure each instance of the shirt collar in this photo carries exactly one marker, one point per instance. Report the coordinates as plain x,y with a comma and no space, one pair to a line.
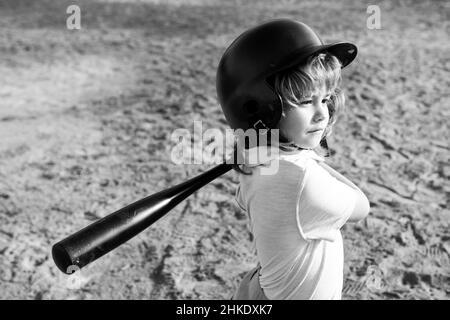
260,155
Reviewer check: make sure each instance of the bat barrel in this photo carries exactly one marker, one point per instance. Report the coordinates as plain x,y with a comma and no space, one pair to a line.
106,234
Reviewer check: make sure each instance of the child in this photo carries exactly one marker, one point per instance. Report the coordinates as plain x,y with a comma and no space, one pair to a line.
281,76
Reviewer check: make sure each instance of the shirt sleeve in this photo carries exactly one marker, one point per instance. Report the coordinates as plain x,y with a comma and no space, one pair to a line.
324,204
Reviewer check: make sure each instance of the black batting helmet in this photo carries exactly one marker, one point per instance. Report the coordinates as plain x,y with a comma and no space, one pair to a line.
245,93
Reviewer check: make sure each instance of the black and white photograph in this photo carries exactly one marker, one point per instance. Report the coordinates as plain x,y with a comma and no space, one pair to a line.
224,150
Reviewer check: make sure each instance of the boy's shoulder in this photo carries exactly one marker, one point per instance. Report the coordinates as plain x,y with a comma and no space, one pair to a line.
277,171
286,167
301,157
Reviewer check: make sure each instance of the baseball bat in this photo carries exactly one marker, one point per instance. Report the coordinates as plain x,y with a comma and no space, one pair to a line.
106,234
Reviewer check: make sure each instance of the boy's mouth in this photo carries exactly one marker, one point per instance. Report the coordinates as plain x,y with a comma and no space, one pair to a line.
315,131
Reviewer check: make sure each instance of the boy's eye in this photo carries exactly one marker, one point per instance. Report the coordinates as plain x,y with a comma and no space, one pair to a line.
306,102
325,100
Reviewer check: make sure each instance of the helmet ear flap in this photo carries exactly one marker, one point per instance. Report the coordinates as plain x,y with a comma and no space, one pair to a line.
260,107
264,116
251,107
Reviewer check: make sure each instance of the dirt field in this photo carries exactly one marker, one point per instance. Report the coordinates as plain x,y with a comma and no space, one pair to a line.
86,118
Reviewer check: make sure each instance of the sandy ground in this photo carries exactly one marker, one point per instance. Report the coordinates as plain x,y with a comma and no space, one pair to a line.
85,123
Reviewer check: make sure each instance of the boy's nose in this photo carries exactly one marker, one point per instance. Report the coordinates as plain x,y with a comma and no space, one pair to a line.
319,118
320,113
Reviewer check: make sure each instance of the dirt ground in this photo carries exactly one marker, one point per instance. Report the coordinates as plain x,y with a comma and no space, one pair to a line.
86,118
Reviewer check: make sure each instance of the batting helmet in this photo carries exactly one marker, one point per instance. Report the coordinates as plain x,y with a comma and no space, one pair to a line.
245,93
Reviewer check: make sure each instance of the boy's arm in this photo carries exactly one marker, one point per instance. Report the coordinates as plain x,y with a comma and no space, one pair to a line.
362,206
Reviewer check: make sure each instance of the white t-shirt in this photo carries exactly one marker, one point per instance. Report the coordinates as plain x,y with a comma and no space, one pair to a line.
295,216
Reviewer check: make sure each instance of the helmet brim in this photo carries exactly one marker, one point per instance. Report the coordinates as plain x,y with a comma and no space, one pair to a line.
345,52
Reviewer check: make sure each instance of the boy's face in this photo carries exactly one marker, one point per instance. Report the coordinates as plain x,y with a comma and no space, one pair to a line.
311,114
